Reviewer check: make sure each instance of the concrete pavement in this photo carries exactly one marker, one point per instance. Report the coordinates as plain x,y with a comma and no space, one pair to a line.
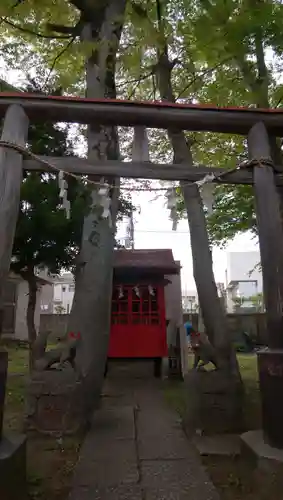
136,448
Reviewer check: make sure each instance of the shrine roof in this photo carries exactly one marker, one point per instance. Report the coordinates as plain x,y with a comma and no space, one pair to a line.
153,260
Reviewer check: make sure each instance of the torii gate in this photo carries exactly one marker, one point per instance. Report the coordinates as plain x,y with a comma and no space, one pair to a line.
255,123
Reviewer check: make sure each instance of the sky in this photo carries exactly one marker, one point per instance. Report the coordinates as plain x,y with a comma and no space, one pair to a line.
153,229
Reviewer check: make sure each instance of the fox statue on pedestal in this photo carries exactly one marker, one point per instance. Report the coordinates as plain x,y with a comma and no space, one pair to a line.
203,350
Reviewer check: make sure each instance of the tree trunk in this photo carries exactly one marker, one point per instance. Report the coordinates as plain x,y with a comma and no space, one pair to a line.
91,310
214,317
215,398
32,293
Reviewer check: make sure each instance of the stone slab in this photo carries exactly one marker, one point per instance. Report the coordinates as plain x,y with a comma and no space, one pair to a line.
174,493
96,447
13,466
116,423
112,493
174,472
176,479
156,422
254,440
102,474
167,447
136,449
220,444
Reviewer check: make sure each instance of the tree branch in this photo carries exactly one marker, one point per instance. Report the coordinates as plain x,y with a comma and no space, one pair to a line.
59,28
79,4
82,5
31,32
278,102
57,58
201,75
132,94
262,72
153,87
18,2
260,59
136,80
89,9
247,73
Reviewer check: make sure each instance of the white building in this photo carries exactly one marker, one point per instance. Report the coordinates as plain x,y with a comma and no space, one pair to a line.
243,279
63,293
190,301
15,305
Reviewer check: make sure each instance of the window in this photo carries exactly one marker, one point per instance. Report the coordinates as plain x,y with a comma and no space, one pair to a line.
63,289
145,306
71,288
120,306
135,305
57,293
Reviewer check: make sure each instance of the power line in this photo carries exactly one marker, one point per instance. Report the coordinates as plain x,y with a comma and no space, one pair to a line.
160,231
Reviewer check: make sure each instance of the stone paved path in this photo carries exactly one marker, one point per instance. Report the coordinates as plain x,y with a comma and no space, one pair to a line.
136,449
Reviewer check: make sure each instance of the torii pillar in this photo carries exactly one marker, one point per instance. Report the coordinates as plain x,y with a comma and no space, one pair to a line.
270,232
15,130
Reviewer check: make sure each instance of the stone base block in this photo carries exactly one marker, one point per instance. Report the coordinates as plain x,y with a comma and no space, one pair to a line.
268,458
214,402
13,483
55,403
270,369
218,445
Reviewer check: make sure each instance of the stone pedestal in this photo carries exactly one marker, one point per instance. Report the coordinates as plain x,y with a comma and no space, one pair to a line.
13,484
55,403
214,402
270,368
267,457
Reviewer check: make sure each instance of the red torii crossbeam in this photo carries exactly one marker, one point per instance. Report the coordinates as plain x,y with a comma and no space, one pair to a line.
201,117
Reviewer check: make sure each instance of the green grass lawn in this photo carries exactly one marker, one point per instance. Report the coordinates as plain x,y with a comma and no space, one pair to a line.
18,353
15,390
18,359
252,409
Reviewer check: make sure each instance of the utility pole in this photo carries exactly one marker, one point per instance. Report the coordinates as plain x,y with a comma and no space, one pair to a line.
130,233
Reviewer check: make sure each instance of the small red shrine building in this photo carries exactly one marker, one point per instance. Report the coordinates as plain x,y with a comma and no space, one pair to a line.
138,318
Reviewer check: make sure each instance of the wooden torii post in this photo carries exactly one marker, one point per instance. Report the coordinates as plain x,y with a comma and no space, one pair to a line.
269,222
255,123
15,130
11,162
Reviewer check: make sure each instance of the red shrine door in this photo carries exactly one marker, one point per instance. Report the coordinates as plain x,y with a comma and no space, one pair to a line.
138,325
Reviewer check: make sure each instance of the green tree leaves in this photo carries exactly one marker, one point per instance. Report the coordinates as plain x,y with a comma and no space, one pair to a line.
225,52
